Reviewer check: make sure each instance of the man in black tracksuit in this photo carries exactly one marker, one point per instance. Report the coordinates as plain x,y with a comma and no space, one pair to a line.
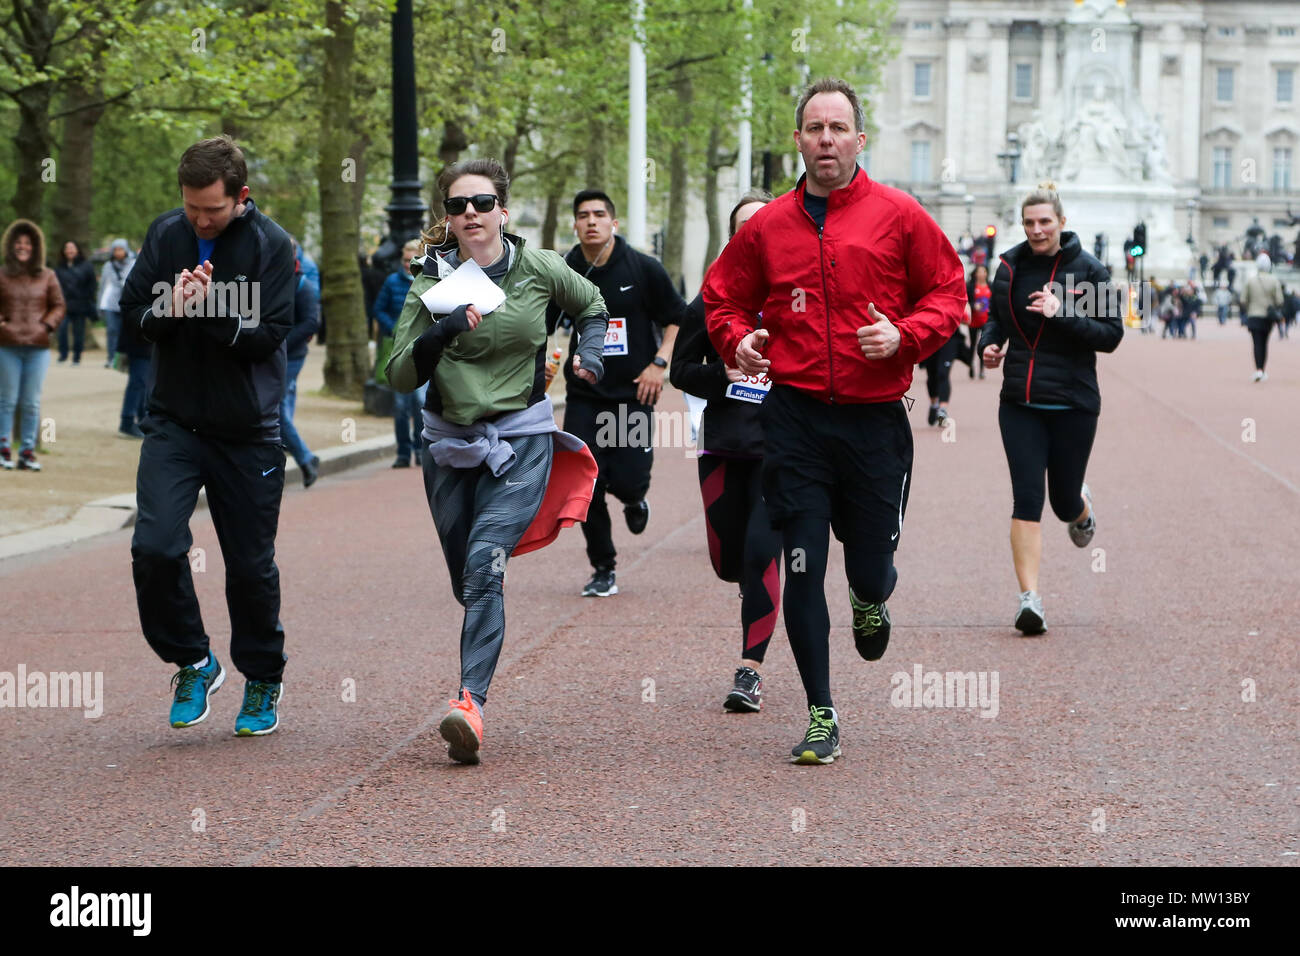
615,417
213,291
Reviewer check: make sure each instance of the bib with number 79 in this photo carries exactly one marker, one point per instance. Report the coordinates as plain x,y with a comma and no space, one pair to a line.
616,337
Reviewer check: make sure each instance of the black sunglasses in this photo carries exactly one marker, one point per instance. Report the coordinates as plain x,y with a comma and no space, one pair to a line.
483,202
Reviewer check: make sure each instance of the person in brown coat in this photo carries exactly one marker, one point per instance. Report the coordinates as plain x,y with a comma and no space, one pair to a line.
31,308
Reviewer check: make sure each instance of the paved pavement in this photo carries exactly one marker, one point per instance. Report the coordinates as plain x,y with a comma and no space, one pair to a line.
1155,723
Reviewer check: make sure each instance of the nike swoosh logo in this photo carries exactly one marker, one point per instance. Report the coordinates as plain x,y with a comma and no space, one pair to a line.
894,536
522,282
513,483
624,288
267,472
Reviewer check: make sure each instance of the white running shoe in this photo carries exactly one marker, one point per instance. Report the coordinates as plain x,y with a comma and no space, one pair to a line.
1081,533
1030,618
1258,376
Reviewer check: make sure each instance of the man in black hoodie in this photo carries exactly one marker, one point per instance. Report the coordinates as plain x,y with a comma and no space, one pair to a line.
615,417
213,290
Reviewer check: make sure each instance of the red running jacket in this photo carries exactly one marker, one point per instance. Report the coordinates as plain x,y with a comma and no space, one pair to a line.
878,246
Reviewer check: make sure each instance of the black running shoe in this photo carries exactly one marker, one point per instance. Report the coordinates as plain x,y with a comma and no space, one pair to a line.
601,584
933,416
870,628
822,742
747,693
637,515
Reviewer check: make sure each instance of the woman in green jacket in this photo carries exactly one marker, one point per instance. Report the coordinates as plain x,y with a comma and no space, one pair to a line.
499,476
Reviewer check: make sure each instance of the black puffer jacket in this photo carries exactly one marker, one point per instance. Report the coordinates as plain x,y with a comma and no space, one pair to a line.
1053,361
730,426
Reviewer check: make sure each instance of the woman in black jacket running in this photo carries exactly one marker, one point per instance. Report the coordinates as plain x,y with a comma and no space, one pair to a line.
1053,310
743,546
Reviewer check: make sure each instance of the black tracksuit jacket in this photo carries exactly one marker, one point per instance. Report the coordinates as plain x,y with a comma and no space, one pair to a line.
220,375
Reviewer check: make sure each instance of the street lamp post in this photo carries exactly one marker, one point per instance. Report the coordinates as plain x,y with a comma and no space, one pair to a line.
1010,157
969,200
406,210
1191,223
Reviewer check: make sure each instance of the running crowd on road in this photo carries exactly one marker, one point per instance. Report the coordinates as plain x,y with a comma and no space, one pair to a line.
803,342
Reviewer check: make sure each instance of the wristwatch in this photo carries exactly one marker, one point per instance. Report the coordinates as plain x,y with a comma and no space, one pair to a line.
659,362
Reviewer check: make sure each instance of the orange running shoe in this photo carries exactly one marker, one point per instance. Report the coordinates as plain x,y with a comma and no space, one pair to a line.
462,728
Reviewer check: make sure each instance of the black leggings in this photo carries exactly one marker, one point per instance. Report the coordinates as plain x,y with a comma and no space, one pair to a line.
938,369
1057,442
1259,331
872,575
743,546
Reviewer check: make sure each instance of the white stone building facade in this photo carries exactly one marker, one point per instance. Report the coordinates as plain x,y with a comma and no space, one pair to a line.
1218,77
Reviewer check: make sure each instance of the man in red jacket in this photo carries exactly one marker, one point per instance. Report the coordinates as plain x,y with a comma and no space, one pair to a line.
855,284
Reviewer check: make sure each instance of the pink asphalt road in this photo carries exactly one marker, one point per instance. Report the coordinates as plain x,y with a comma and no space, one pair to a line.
1155,723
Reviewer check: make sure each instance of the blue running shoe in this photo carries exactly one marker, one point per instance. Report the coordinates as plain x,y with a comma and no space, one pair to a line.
194,686
260,714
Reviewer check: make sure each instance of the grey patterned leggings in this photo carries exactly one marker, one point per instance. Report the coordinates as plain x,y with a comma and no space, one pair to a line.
480,519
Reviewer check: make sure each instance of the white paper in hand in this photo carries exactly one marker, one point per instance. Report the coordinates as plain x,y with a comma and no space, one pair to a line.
468,285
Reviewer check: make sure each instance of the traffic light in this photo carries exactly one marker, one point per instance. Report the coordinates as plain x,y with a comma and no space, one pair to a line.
991,231
1139,246
990,234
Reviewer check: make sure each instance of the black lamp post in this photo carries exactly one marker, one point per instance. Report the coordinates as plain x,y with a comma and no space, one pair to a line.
406,210
1010,157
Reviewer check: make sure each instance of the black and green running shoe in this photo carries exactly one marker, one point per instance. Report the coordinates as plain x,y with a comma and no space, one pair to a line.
870,628
822,742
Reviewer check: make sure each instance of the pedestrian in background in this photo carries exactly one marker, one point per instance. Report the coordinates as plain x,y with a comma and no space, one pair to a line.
31,308
1222,302
135,355
111,280
306,317
407,419
1261,306
77,280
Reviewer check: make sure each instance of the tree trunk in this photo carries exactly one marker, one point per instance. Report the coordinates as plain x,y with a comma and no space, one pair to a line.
711,197
551,220
33,153
596,153
675,238
74,192
454,142
342,299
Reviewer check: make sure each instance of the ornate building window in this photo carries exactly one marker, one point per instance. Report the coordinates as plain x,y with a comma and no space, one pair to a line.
1024,81
1222,167
920,161
1223,84
922,73
1285,84
1281,168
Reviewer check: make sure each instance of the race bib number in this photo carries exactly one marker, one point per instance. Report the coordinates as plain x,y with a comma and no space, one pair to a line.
751,388
616,337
